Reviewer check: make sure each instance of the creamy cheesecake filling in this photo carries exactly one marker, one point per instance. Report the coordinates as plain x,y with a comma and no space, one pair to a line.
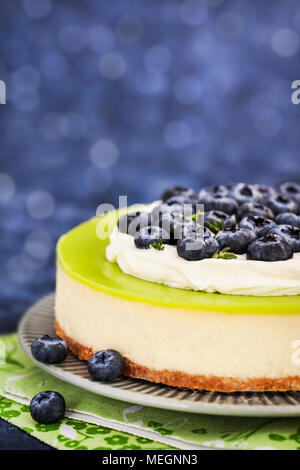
231,276
191,341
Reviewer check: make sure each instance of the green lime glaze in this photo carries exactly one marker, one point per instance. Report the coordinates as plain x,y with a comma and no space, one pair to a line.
82,255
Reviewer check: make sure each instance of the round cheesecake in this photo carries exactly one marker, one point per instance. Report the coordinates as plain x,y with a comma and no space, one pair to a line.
171,335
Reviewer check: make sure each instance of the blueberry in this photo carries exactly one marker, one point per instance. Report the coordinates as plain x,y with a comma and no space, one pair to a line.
219,203
143,220
159,211
279,204
47,407
217,220
149,235
106,365
189,203
271,247
125,220
263,191
237,240
288,218
133,223
176,226
197,247
178,191
212,191
242,193
164,210
292,234
290,190
49,350
197,230
260,225
254,208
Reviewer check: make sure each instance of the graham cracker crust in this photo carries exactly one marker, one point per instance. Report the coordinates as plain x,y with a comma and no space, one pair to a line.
183,380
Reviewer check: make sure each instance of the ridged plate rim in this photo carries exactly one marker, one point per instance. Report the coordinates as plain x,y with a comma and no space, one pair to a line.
42,315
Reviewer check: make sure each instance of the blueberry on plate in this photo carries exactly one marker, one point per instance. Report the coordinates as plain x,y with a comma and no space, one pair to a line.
291,233
178,191
290,190
189,203
106,365
132,223
162,209
47,407
254,208
219,203
288,218
271,247
212,191
237,240
50,350
176,213
148,235
143,220
264,191
217,220
260,225
242,193
125,220
279,204
176,225
197,230
197,247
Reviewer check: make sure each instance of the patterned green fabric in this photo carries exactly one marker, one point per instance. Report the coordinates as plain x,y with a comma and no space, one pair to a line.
74,434
146,428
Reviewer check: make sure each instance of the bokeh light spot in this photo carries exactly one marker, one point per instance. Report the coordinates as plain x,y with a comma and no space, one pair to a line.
177,134
7,187
38,244
158,57
104,153
40,205
37,9
100,38
193,12
112,66
285,42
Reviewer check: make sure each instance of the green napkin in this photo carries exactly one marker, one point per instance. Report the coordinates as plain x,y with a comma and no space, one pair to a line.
96,422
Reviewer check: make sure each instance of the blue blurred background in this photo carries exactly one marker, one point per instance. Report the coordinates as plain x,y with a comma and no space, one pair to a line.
130,97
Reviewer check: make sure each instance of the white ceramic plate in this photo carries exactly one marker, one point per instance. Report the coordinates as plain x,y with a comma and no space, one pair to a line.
39,320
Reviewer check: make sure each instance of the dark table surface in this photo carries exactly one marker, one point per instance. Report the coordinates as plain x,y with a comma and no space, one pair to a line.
129,97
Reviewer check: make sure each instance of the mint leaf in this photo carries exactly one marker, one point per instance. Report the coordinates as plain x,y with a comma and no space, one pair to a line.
214,227
224,254
158,245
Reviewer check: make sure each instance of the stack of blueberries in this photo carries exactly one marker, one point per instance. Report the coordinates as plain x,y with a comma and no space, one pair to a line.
260,221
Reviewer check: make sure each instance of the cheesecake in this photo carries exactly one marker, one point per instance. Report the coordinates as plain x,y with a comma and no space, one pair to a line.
225,320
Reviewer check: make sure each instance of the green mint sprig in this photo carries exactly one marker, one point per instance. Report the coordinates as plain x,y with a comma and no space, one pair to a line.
214,227
158,245
195,216
224,254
